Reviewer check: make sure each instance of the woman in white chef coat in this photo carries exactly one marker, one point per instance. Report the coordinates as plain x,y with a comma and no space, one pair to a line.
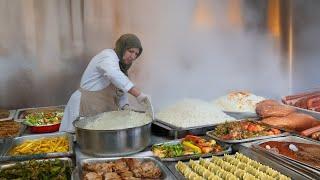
105,84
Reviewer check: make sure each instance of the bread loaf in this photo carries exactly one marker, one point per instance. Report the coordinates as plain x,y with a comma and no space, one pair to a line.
294,121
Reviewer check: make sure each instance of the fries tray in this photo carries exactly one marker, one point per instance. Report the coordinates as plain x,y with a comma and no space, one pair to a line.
16,141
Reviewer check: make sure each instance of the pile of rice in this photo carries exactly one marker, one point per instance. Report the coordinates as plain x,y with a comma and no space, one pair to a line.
115,120
238,102
191,113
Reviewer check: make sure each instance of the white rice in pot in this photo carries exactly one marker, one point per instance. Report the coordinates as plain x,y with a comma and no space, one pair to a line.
116,120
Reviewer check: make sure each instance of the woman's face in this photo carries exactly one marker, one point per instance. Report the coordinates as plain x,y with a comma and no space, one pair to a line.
130,55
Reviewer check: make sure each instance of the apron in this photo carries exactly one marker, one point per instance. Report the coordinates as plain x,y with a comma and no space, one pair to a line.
95,102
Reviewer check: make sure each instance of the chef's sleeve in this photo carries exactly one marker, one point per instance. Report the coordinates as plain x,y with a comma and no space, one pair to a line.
111,69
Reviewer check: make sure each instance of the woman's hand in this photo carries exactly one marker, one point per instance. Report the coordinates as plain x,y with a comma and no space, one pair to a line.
143,99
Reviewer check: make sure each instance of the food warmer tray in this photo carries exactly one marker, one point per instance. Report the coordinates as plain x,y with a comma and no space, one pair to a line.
20,112
210,134
64,159
227,150
288,139
282,166
166,173
241,115
246,148
10,117
257,157
165,129
315,114
21,131
18,140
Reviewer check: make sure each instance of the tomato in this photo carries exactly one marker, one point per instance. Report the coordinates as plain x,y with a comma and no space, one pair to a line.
276,131
227,137
270,132
255,128
252,128
245,125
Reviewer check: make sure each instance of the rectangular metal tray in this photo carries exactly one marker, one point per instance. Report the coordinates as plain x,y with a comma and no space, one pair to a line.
10,117
166,174
20,112
241,115
254,156
164,129
315,114
18,140
281,166
65,159
209,133
246,148
227,150
287,139
8,165
21,131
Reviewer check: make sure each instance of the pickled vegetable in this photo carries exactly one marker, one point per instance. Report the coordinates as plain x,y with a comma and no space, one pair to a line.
43,170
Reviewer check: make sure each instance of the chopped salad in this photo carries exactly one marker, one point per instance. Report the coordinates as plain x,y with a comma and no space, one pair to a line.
43,118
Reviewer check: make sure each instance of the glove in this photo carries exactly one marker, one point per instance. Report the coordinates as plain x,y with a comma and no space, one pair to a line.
145,101
142,99
126,107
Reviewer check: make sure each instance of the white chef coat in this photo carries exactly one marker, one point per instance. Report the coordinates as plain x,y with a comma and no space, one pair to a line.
102,70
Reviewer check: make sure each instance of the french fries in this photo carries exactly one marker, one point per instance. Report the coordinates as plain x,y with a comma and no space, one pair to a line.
42,145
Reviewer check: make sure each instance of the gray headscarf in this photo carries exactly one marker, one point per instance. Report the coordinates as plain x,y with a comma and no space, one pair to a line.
125,42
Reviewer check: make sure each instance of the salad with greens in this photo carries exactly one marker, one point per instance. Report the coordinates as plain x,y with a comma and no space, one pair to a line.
43,118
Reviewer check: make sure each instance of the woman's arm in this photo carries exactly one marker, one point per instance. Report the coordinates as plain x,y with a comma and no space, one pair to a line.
134,91
109,66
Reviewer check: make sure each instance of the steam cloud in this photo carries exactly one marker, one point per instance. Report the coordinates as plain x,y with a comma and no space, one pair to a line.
185,54
182,60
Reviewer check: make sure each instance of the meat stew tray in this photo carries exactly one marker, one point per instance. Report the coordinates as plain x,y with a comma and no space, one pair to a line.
291,138
166,174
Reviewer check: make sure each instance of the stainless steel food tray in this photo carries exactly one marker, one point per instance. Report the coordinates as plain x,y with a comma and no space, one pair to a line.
281,166
16,141
175,172
166,174
20,112
8,165
294,138
10,117
255,156
226,147
315,114
165,129
65,159
21,131
241,115
210,134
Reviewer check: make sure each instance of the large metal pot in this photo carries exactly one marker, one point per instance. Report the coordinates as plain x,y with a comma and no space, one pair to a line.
112,142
